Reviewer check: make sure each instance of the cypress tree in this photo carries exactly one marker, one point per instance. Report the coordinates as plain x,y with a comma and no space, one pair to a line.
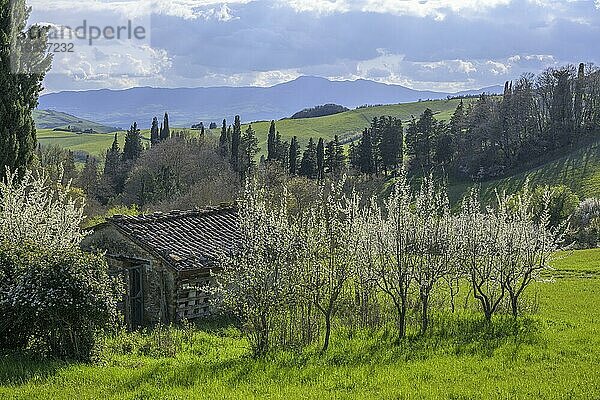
281,149
235,144
133,144
444,145
154,132
308,166
391,143
272,142
561,111
365,153
69,169
293,156
229,136
579,89
20,84
223,143
457,121
88,180
248,149
354,156
419,138
165,131
112,166
376,138
330,157
340,157
321,159
335,158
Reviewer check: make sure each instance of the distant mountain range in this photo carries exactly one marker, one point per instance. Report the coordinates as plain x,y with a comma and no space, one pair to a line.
187,106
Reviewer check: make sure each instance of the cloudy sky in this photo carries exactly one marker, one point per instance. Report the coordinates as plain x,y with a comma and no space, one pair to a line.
445,45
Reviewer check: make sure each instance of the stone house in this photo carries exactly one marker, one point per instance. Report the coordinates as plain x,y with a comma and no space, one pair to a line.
165,260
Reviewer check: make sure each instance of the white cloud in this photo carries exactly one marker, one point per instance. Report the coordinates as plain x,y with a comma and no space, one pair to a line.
466,67
185,9
101,62
498,68
437,9
319,6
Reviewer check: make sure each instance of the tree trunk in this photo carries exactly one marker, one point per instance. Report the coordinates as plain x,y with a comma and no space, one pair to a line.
488,313
402,320
514,303
424,313
327,332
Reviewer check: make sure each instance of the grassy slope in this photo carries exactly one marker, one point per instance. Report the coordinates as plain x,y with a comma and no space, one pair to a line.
48,119
95,144
558,361
350,122
579,170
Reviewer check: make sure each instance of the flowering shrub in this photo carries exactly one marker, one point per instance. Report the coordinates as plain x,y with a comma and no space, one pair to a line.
586,223
53,296
54,300
41,211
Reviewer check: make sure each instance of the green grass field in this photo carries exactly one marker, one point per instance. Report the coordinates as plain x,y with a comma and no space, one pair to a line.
48,119
554,355
352,122
343,124
578,169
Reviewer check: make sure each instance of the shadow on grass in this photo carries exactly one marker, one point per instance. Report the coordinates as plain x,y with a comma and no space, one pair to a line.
451,336
20,368
212,360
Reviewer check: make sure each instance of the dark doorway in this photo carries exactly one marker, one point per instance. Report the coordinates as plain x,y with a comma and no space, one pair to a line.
136,296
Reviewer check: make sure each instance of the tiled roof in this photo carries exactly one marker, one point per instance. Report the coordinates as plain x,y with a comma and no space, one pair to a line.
187,240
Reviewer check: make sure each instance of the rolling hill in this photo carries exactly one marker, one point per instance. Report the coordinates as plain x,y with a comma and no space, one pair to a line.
49,119
187,106
346,125
578,168
350,123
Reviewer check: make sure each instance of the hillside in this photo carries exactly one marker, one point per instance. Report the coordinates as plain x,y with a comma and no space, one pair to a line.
578,169
348,124
49,119
345,125
187,106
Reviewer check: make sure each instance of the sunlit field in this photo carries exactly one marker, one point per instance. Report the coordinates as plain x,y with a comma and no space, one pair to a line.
553,353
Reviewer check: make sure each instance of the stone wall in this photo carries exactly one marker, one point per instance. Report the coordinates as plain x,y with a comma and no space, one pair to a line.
158,280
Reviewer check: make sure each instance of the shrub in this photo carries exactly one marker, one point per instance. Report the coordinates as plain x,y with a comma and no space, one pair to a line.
38,210
586,223
561,203
54,301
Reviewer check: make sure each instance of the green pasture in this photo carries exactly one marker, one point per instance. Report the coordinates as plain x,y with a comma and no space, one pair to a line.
552,353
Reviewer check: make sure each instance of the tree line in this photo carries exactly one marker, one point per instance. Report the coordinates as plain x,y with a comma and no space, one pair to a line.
294,276
536,115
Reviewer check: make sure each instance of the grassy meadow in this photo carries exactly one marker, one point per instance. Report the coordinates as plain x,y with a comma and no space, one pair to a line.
343,124
352,122
553,353
577,168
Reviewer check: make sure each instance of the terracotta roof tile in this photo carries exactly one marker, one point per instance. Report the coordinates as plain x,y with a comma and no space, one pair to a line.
187,240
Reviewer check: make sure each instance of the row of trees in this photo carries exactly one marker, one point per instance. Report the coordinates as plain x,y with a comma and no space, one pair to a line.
294,276
380,149
495,134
